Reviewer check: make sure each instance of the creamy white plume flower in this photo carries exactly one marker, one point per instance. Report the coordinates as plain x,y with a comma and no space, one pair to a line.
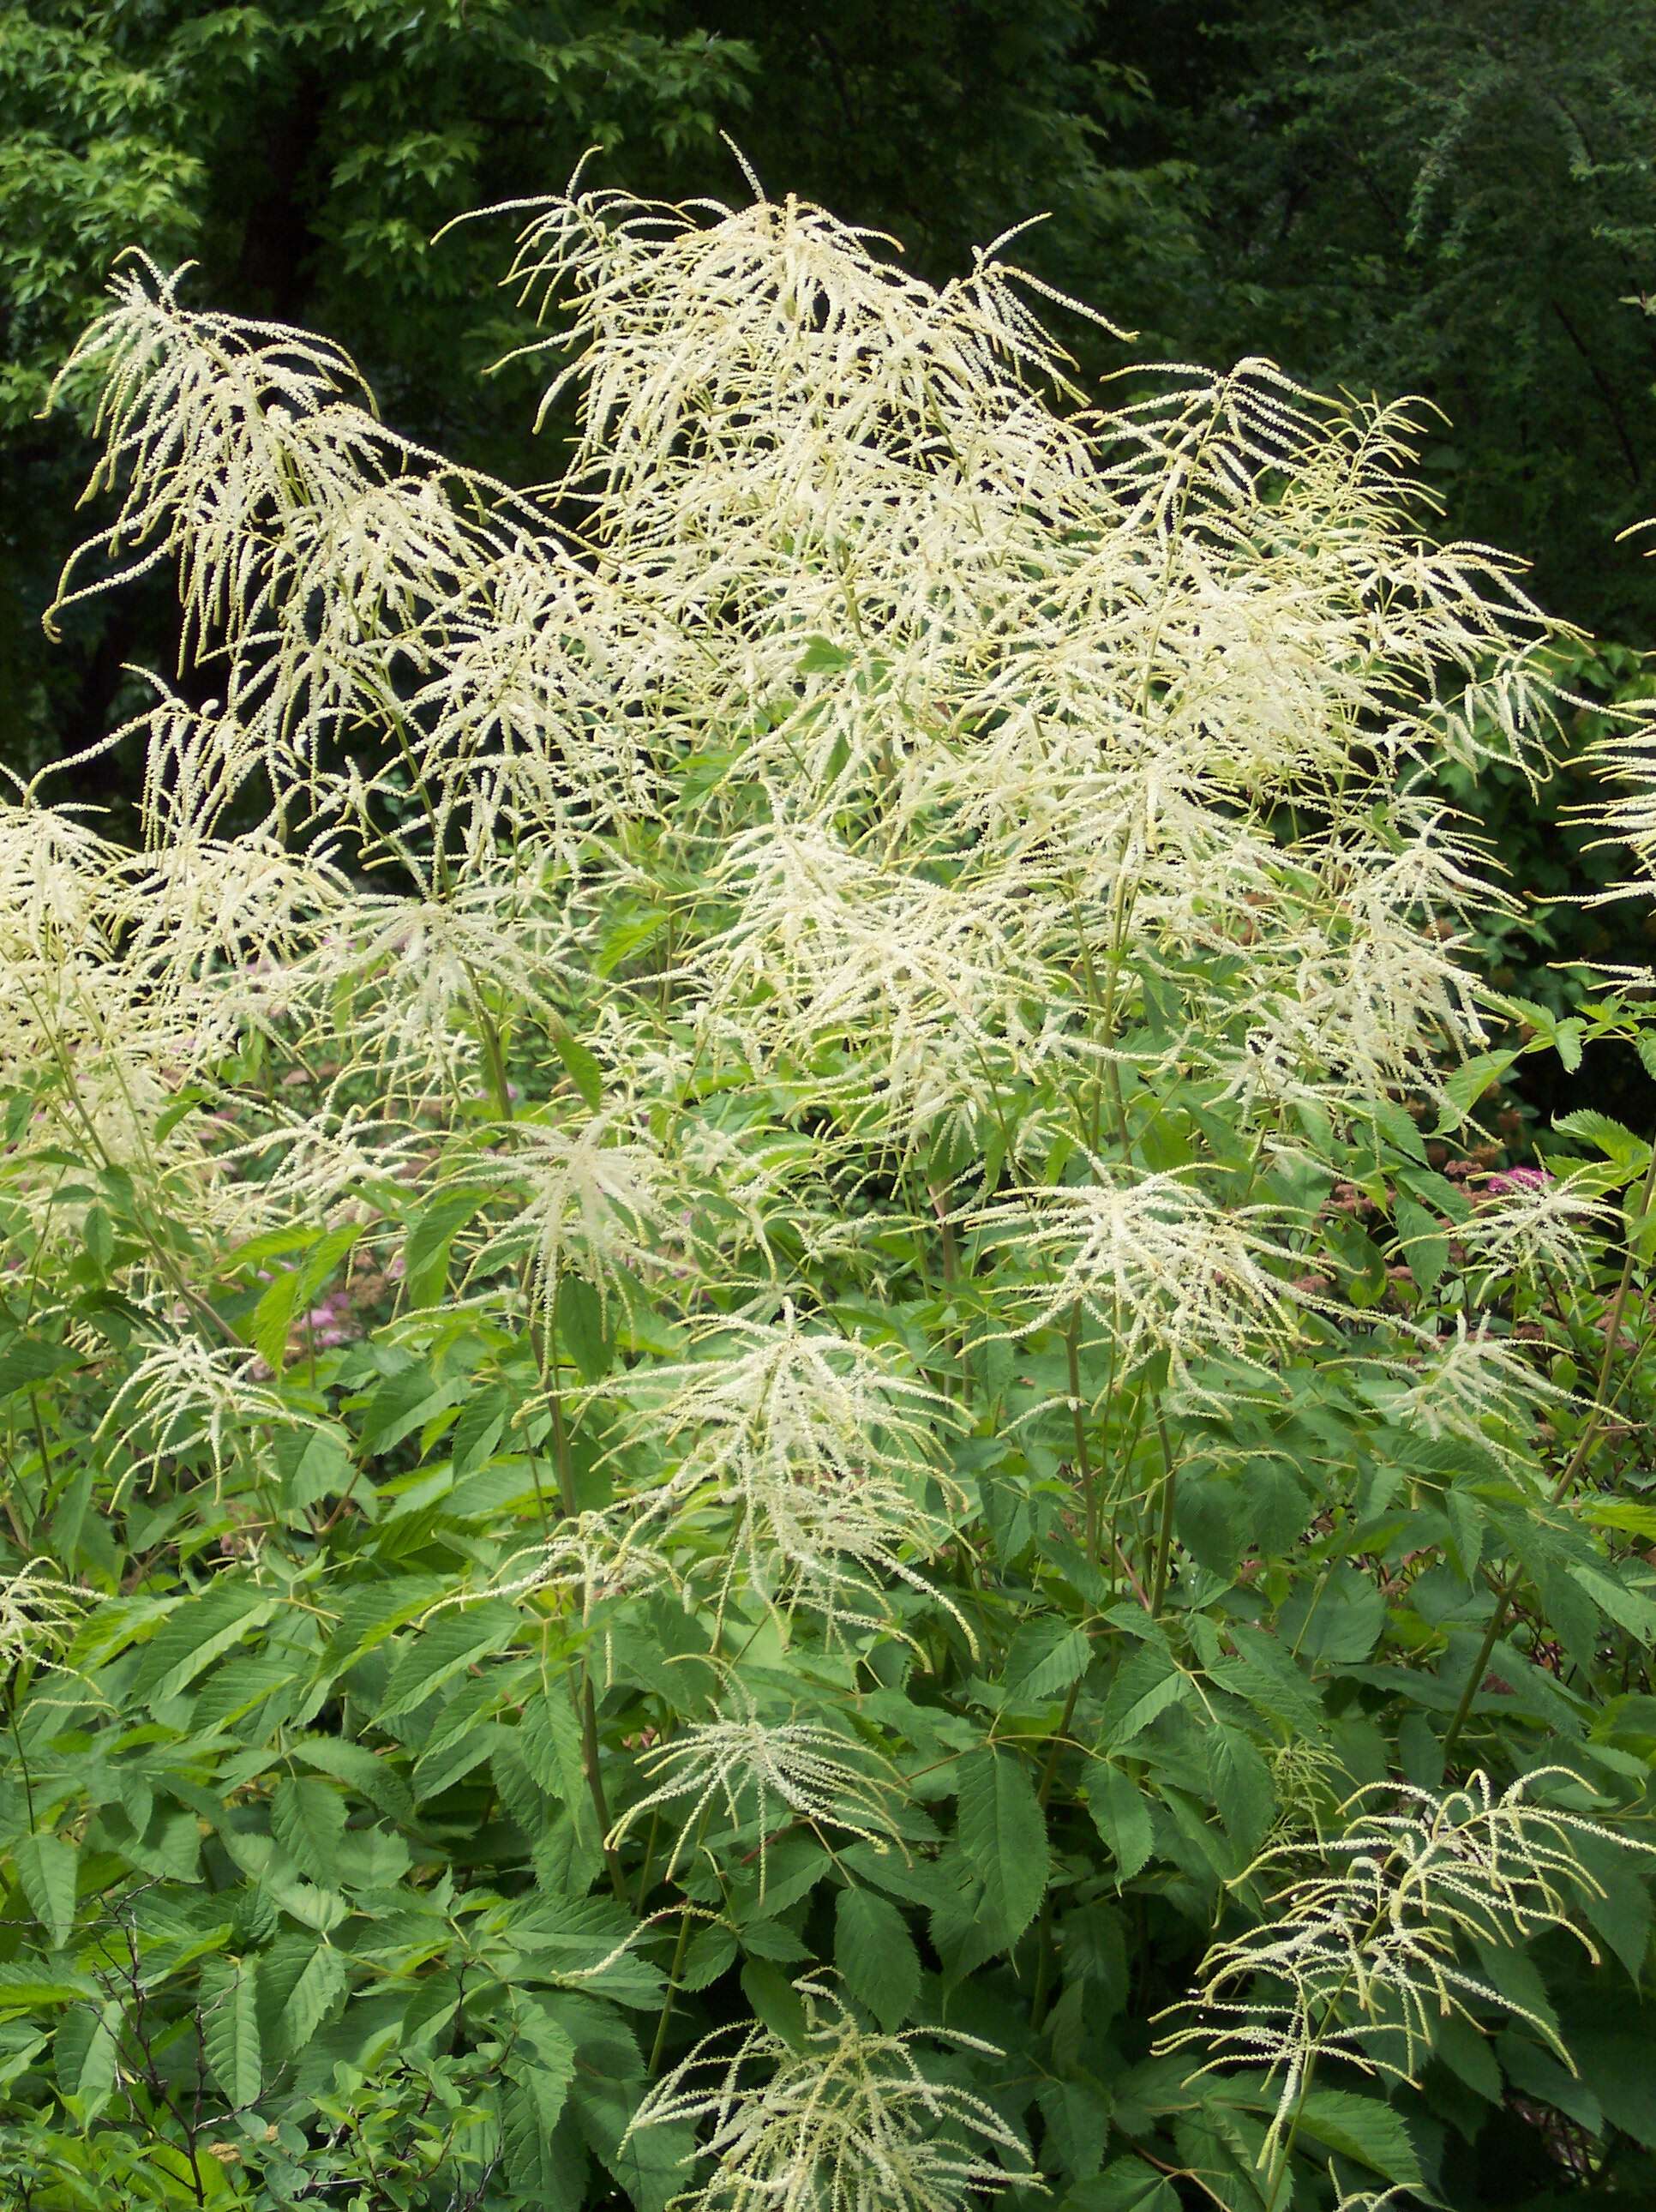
806,1454
201,916
846,2119
1305,1783
184,1398
593,1556
871,763
1625,759
1155,1261
597,1199
40,1614
57,885
404,984
931,992
1362,1952
766,1771
1349,999
1082,684
1469,1384
1558,1226
301,1167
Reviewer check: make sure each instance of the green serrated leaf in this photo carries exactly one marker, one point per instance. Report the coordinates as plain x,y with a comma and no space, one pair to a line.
308,1996
194,1635
46,1867
1624,1515
27,1360
1046,1656
86,2054
307,1819
430,1239
1002,1831
479,1427
365,1770
1121,1814
1464,1086
1613,1139
1422,1242
1145,1685
710,1953
876,1955
293,1290
24,1988
543,2059
583,1070
1127,2184
776,2002
404,1402
1627,1607
584,1328
229,2030
456,1639
1363,2129
1242,1791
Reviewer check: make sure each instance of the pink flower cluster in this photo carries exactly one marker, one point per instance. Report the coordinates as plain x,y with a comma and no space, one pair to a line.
1513,1179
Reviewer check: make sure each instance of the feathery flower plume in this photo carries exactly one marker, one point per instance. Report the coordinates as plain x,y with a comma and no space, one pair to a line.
818,1774
39,1614
848,2118
1556,1225
184,1396
598,1200
1155,1261
808,1451
1470,1383
1362,1951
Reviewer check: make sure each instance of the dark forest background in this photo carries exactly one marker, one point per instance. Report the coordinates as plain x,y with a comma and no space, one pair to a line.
1450,198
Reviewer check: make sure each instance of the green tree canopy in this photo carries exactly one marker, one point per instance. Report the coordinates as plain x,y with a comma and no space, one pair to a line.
1458,200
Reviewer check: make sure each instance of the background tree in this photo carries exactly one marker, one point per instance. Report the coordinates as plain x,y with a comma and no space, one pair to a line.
1457,200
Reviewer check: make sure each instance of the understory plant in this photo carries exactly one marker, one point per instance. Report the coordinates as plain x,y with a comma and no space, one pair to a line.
785,1422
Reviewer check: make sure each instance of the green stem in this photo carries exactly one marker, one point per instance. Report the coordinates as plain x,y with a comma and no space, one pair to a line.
673,1973
1043,1795
1084,1457
646,1870
585,1703
1164,1531
17,1738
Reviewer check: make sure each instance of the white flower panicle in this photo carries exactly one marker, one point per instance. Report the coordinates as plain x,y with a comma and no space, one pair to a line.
39,1614
849,2118
1363,1953
1158,1264
598,1200
1534,1224
1470,1384
1033,697
184,1398
763,1769
810,1452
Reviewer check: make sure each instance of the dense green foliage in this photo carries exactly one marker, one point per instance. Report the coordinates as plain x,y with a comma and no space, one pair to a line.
773,1428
